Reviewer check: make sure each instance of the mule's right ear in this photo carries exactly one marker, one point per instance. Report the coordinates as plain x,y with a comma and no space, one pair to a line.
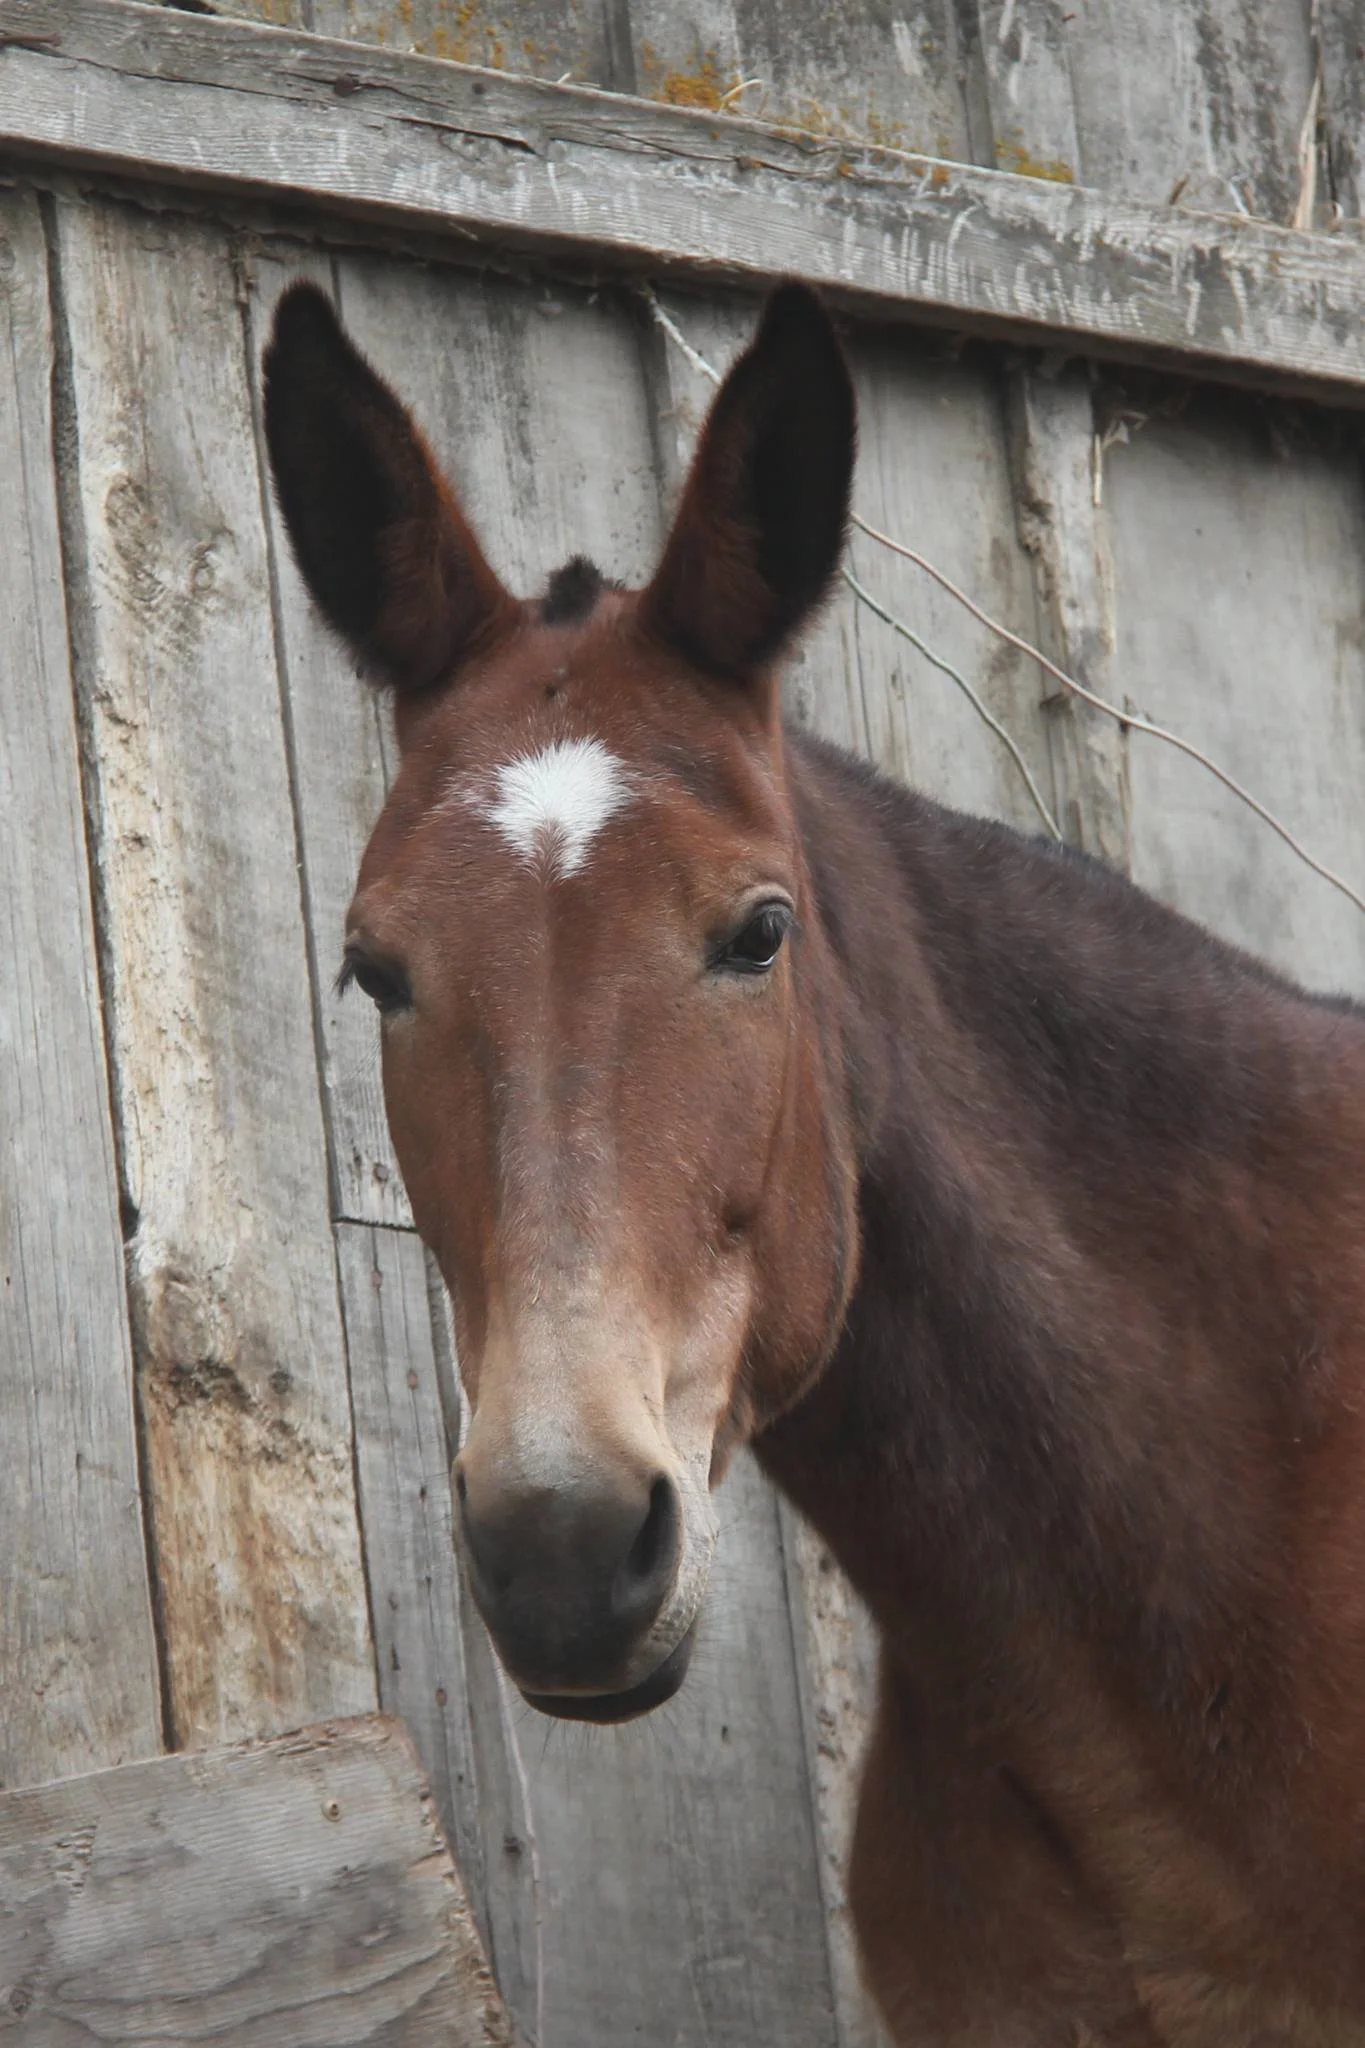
758,535
376,531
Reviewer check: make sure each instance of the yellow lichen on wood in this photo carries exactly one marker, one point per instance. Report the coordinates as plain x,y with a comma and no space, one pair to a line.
1012,154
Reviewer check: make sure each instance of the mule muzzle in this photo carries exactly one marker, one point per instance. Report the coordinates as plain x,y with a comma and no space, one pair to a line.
572,1580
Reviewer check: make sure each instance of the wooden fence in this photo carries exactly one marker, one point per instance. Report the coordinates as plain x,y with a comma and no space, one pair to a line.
227,1390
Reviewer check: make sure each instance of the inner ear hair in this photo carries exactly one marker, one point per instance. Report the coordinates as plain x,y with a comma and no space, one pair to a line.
378,535
758,536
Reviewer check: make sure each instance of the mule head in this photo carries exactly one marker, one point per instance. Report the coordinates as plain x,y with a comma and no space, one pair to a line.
586,922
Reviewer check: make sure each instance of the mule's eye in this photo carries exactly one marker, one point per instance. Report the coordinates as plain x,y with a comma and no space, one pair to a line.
757,943
384,983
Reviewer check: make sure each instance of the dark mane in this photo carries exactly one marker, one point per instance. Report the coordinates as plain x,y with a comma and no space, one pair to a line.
572,592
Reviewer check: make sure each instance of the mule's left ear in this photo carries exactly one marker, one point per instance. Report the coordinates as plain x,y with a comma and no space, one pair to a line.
376,530
761,526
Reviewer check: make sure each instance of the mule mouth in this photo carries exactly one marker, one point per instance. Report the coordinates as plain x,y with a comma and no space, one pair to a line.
608,1707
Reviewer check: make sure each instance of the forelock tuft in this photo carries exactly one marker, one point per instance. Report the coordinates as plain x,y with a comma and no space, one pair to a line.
572,592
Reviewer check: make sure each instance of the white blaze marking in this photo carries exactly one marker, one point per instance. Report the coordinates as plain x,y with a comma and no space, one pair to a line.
550,806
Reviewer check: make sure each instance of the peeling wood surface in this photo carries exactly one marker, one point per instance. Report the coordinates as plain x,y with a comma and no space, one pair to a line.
289,1894
240,1357
498,160
78,1677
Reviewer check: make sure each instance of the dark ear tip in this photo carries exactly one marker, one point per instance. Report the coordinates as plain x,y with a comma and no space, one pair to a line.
304,317
794,312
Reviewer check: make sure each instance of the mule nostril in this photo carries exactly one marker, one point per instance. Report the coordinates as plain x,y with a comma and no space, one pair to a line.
649,1563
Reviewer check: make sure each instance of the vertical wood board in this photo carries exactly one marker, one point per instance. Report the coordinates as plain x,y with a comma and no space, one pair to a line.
934,473
339,728
1199,102
1240,575
292,1894
241,1365
403,1465
77,1654
890,75
1058,460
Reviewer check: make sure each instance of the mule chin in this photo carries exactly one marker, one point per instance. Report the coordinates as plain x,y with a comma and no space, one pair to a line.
608,1707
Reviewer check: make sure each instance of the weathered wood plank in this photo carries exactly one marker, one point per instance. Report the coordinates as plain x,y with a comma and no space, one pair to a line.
339,729
860,70
240,1354
1058,471
1240,575
837,1658
289,1894
934,473
1341,42
503,161
1026,51
403,1463
1202,101
78,1675
583,40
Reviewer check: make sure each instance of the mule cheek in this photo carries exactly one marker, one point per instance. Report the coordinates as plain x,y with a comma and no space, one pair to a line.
807,1247
700,1115
445,1154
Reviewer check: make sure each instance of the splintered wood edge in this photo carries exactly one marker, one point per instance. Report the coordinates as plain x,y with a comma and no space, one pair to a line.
498,162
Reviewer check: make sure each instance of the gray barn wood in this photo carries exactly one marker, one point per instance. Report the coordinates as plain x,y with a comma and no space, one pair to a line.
239,1345
1239,571
493,159
287,1894
403,1472
78,1678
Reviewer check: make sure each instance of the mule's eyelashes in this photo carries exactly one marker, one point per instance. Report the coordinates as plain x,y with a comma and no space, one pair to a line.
383,981
754,947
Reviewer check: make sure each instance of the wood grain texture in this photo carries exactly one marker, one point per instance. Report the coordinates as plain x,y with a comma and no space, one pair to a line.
339,730
1026,48
499,161
1239,561
1197,100
240,1354
837,1655
1059,469
77,1654
1341,42
403,1467
289,1894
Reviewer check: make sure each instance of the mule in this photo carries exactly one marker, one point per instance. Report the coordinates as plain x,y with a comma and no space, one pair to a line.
1013,1221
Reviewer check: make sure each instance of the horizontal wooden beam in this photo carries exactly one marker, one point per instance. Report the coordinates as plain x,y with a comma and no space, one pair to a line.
287,1892
417,143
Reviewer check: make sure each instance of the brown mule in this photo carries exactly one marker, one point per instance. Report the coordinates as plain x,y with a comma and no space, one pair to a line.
1017,1224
